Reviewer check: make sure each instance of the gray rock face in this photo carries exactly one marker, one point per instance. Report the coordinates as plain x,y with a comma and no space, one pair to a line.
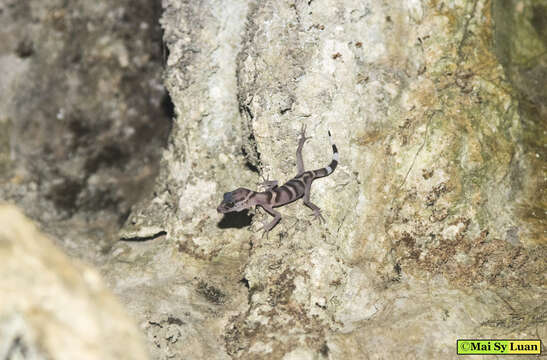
435,216
55,308
428,236
81,118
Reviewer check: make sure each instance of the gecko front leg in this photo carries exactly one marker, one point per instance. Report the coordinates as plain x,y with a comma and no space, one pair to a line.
275,214
269,184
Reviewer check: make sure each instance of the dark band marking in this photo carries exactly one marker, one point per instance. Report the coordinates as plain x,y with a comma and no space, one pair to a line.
286,191
298,180
320,173
297,185
280,191
294,189
277,192
291,189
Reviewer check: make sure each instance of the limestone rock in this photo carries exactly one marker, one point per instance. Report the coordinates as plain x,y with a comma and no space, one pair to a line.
430,235
82,114
435,216
53,307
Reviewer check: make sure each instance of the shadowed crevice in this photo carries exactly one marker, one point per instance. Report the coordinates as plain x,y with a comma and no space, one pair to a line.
236,220
146,238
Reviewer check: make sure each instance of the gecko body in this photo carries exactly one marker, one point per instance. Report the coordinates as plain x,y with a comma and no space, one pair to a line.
276,196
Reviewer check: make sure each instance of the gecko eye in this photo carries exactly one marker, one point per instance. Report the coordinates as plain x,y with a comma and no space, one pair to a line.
230,204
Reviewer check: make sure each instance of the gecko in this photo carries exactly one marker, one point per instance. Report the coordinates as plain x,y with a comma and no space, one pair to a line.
275,196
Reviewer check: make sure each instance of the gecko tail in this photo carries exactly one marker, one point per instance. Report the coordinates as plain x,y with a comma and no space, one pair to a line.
332,166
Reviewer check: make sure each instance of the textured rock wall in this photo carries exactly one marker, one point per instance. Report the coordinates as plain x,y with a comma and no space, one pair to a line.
81,117
435,217
434,225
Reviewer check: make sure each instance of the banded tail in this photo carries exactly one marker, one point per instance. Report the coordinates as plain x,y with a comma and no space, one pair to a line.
319,173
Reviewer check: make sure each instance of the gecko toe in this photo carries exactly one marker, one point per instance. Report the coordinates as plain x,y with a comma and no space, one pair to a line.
317,216
302,132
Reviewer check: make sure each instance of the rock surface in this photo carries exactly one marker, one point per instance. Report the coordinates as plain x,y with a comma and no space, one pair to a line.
82,121
435,216
53,307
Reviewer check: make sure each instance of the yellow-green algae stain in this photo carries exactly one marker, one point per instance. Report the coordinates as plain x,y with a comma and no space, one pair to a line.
488,137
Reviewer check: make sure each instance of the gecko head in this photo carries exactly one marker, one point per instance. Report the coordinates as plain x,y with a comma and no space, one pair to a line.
236,200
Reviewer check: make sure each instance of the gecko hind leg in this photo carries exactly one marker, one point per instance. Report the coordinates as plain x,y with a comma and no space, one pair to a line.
301,141
316,210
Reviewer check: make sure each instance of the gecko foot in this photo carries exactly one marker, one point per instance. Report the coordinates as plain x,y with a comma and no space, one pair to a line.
302,134
317,215
266,227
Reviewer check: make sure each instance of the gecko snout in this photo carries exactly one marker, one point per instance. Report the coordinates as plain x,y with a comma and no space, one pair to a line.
222,209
